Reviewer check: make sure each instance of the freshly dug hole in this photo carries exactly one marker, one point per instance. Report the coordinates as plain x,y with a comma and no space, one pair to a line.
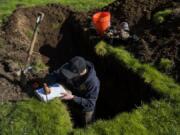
121,89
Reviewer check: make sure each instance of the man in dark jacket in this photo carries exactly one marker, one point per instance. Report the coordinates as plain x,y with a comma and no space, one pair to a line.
79,78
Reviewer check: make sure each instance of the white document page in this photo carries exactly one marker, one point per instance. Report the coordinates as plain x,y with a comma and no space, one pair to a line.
56,91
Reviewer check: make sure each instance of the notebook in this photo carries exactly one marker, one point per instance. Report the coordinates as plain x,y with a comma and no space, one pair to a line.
56,91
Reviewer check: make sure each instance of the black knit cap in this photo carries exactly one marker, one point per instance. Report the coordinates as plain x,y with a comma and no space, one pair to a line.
74,67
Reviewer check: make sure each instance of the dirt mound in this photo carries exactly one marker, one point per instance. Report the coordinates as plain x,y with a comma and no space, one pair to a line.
156,41
18,32
133,10
19,29
164,42
9,88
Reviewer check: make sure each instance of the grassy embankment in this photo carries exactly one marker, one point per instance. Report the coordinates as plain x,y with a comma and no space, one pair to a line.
32,117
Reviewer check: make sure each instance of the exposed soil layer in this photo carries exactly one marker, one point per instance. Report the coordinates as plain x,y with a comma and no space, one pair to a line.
133,11
17,33
65,33
9,89
156,41
20,26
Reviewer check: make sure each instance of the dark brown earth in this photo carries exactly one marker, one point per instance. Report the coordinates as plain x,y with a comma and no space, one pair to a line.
133,11
20,26
17,34
156,41
65,33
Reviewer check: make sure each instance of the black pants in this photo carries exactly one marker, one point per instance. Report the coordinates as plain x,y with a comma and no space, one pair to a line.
88,117
79,117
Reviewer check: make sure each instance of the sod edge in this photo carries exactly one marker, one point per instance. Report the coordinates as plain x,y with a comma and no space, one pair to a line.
159,81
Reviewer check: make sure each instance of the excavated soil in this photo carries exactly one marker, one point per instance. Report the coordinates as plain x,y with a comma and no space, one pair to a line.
133,11
17,34
20,27
65,33
156,41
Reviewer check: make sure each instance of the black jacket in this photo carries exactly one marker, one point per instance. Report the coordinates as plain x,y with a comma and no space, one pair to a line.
85,89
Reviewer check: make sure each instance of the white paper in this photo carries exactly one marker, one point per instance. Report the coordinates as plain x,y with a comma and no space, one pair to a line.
56,91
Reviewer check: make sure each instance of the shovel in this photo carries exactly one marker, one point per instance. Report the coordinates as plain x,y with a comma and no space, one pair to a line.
27,68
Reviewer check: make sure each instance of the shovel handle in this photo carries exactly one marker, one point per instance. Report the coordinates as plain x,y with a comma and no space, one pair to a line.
38,21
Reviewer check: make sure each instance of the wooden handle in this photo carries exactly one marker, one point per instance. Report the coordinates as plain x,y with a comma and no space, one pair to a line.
38,20
47,89
32,47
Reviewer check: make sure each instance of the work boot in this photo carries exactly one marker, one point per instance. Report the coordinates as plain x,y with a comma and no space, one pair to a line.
125,26
124,34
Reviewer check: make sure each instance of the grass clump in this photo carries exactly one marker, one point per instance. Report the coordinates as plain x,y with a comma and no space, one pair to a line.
100,49
33,117
56,26
166,65
38,65
29,34
160,16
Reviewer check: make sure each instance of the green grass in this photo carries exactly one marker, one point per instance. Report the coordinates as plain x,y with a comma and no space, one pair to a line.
160,16
166,65
157,118
7,6
29,34
32,117
100,49
38,65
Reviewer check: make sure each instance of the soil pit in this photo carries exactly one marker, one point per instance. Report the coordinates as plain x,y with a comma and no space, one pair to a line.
64,34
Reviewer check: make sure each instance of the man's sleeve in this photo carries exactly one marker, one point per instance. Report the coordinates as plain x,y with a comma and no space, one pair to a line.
54,77
89,101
